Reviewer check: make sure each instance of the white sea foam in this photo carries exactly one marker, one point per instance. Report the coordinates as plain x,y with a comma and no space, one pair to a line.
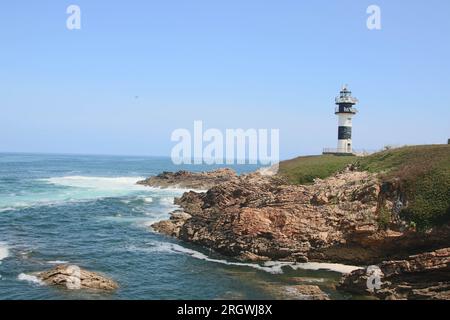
336,267
57,262
171,190
274,267
104,183
82,188
148,199
139,221
87,188
166,201
4,251
154,218
30,278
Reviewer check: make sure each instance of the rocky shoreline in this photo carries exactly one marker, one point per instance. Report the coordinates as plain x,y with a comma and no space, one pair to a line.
423,276
255,218
190,180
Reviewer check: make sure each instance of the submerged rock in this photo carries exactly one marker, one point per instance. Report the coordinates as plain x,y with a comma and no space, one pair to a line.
74,278
308,292
297,292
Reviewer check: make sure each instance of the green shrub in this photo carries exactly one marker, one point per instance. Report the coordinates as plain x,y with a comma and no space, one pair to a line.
384,218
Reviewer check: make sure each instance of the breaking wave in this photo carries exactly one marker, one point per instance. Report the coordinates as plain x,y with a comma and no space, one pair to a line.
74,189
100,183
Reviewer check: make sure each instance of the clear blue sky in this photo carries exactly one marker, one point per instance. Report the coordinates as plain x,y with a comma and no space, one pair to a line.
232,64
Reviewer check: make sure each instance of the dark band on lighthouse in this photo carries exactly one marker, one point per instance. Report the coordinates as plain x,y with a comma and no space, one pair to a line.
344,133
345,111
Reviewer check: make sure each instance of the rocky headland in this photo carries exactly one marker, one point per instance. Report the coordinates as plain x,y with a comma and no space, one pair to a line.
353,216
257,218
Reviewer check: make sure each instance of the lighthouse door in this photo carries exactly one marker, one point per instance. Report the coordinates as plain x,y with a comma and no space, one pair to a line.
349,147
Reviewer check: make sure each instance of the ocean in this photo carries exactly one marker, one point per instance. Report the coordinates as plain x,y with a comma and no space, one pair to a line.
88,211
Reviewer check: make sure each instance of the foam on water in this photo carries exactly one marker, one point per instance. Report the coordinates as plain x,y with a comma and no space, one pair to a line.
274,267
4,251
74,189
30,278
166,201
56,262
102,183
336,267
148,199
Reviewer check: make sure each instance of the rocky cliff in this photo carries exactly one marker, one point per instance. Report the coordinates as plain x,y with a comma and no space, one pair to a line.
255,217
386,216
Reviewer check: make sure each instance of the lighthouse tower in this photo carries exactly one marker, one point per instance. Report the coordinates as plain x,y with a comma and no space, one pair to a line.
345,111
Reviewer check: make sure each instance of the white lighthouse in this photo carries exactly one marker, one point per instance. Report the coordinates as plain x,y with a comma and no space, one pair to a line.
345,111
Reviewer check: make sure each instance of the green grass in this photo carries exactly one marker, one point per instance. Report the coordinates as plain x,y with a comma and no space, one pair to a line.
304,170
423,173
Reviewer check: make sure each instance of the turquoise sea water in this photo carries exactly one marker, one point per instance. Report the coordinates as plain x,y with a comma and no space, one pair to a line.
88,211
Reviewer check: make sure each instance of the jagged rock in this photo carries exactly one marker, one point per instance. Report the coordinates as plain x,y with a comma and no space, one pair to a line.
190,180
75,278
422,276
172,227
263,217
258,217
251,257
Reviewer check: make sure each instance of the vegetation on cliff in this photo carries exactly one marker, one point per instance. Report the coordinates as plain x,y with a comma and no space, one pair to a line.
422,173
303,170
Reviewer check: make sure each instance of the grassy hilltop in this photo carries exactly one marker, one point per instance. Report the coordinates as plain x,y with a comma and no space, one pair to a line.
423,172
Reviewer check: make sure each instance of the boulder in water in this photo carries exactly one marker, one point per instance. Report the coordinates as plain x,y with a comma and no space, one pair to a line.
75,278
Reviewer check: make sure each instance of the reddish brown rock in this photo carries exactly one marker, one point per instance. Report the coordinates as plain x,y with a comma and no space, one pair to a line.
75,278
296,292
421,277
172,227
190,180
261,217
